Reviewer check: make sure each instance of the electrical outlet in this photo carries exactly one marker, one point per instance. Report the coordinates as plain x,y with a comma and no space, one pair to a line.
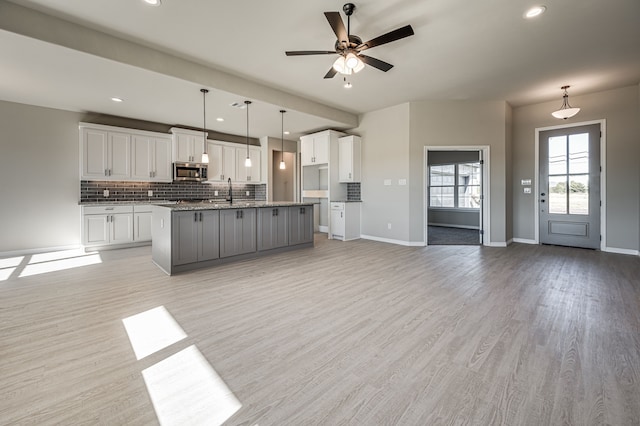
150,193
389,225
248,193
105,193
215,193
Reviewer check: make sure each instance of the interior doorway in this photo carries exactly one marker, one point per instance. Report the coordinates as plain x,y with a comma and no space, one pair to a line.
283,180
456,202
569,201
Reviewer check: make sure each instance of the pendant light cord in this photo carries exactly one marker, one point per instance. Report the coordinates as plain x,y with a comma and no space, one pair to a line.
282,137
247,103
204,117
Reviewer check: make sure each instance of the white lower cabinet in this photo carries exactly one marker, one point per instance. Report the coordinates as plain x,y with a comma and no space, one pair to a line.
345,221
116,225
142,217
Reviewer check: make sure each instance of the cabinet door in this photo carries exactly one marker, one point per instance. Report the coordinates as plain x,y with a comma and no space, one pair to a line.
253,172
197,148
215,170
209,235
96,229
183,148
228,163
184,237
121,228
337,223
119,156
306,150
229,230
272,228
345,160
141,157
142,226
161,160
248,232
321,149
94,154
300,225
248,174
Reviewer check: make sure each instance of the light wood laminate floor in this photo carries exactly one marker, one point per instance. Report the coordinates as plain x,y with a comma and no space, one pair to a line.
346,333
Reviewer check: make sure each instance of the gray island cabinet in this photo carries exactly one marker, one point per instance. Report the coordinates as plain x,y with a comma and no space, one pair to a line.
196,235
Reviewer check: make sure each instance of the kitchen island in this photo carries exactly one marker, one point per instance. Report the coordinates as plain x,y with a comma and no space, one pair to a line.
195,235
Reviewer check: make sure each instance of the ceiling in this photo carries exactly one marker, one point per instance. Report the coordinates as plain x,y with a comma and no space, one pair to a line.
461,50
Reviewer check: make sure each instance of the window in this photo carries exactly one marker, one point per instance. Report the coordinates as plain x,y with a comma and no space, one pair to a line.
454,186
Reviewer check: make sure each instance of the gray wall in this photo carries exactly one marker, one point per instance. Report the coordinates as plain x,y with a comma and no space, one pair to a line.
460,123
621,109
39,171
385,155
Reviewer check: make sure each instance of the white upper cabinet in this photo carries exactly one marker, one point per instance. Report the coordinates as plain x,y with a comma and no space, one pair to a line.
315,148
151,158
251,174
188,145
222,161
349,159
106,155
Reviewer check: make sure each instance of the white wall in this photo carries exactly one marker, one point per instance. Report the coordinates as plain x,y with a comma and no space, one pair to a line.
39,159
621,109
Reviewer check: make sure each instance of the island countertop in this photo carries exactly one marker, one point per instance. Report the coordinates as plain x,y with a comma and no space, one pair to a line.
222,205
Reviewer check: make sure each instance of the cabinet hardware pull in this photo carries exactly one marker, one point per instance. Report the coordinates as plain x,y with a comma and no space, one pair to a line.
200,217
195,216
105,172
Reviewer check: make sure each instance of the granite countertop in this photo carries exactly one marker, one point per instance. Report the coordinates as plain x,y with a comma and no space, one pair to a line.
220,205
125,203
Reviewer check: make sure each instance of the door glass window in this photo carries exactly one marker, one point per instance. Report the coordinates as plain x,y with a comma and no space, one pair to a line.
558,194
579,153
558,155
579,194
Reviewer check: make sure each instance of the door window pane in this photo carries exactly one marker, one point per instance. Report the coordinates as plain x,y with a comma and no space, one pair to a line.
558,194
558,155
579,194
442,175
469,197
579,153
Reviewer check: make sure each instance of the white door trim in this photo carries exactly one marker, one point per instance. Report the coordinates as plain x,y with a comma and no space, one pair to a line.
603,177
486,186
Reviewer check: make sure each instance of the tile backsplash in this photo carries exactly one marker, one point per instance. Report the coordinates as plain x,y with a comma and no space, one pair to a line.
93,191
353,192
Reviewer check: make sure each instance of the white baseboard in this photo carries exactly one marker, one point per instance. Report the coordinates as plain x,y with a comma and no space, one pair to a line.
523,241
621,251
392,241
496,244
15,253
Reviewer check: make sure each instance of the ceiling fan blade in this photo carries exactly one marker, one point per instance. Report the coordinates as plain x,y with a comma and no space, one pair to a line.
332,72
394,35
310,52
376,63
335,20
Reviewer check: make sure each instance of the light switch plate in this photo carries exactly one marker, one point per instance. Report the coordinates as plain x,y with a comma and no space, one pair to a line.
527,190
525,182
402,182
387,182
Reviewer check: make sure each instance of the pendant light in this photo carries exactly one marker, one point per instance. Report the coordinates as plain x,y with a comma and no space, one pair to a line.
565,111
205,156
282,165
247,161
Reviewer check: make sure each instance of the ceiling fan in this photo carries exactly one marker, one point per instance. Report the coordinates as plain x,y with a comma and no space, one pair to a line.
350,46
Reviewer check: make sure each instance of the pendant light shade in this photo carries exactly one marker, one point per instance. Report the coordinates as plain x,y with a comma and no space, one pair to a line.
205,156
247,161
565,111
348,64
282,164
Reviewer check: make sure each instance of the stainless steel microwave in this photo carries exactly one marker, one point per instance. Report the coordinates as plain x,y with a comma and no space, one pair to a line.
189,171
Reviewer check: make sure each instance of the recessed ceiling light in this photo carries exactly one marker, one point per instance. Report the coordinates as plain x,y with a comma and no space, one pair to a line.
535,11
114,99
219,119
153,2
287,133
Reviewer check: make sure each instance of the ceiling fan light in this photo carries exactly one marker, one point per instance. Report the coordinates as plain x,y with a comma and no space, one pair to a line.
351,60
341,66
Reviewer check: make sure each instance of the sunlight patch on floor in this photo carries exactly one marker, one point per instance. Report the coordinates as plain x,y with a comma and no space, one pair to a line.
45,267
152,330
186,390
8,266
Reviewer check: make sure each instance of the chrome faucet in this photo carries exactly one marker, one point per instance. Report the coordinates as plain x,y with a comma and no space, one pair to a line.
230,196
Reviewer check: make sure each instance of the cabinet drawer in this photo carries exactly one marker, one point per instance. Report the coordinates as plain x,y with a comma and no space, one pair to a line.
337,206
144,208
106,209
